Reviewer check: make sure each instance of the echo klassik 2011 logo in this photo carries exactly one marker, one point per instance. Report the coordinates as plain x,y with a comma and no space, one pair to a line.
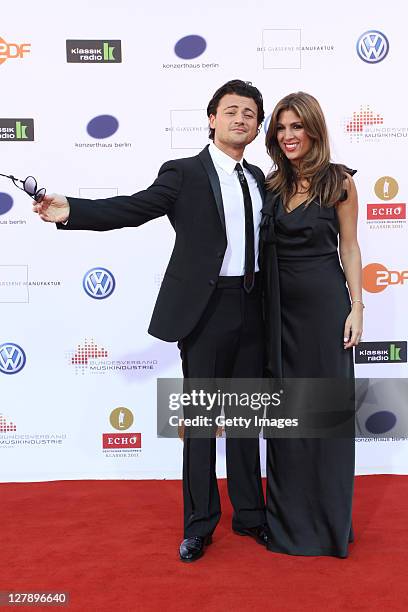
386,188
94,51
17,130
121,419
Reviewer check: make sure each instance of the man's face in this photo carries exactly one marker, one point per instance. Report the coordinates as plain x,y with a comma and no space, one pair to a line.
236,121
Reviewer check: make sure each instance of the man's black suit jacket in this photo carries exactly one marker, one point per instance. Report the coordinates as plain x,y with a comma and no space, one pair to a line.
189,193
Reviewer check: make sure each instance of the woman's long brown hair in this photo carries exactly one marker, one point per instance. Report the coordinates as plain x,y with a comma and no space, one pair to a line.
325,179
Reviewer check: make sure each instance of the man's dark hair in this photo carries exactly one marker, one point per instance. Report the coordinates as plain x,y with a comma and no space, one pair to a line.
240,88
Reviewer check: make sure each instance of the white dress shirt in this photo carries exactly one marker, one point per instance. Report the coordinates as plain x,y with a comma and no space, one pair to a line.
234,212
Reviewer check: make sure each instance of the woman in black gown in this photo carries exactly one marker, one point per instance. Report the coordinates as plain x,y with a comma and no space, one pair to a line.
310,212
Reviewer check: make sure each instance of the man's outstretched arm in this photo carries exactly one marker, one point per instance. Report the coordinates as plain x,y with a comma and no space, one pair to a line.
120,211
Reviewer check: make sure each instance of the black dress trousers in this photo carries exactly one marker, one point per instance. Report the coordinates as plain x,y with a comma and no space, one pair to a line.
226,343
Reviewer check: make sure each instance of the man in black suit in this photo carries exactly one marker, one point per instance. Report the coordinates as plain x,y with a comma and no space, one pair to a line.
210,298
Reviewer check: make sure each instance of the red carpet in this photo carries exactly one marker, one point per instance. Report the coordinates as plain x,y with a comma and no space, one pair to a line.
113,546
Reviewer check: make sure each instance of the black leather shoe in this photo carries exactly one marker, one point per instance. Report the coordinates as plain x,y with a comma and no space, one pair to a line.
193,548
261,534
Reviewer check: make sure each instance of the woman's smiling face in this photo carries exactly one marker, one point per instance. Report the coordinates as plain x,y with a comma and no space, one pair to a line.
292,137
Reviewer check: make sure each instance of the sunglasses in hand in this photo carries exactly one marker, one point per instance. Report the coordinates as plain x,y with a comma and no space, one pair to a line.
29,185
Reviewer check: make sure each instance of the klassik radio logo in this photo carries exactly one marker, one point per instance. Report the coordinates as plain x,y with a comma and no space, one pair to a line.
376,277
17,130
94,51
13,50
394,351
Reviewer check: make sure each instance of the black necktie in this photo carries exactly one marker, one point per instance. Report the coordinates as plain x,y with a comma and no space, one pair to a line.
249,276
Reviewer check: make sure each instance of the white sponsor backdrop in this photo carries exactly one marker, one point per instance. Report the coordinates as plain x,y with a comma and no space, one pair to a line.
55,410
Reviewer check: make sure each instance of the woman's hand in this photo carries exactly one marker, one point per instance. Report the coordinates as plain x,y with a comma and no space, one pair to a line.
353,328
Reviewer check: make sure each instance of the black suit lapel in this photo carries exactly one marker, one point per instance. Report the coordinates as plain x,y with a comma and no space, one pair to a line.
258,177
207,162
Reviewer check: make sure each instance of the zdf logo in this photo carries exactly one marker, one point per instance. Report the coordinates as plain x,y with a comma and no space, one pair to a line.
13,50
377,277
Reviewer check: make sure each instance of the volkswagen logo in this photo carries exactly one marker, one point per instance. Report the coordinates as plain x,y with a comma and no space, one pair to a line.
99,283
12,358
372,46
267,122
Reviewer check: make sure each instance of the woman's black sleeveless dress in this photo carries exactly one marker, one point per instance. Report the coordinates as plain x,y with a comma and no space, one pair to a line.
309,481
